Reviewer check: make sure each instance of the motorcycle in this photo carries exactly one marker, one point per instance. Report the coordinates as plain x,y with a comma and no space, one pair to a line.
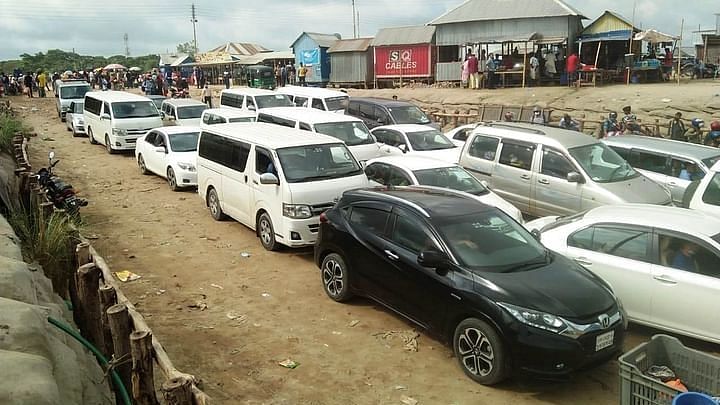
179,93
60,193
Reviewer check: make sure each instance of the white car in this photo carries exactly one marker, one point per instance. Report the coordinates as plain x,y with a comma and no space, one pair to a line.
459,135
418,140
171,153
704,195
184,112
74,120
414,170
662,262
214,116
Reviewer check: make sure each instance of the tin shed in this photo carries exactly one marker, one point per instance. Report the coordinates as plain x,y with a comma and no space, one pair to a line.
351,62
404,53
310,49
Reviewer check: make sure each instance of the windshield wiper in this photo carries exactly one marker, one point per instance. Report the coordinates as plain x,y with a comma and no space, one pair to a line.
547,258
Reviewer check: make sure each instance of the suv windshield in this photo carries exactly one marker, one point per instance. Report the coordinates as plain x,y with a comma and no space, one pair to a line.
491,241
352,133
69,92
455,178
193,111
135,109
317,162
408,115
185,142
432,139
336,103
602,163
273,100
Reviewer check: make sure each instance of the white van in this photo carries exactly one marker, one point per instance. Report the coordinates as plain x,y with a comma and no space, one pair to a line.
67,92
315,97
348,129
184,112
117,119
214,116
276,181
252,99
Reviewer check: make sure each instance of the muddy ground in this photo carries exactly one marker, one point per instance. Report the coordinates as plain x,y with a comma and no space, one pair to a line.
230,319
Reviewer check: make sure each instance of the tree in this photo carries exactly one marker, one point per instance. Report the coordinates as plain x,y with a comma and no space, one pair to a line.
187,47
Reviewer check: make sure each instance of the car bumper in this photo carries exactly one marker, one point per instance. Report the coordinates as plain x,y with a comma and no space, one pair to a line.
300,232
125,143
185,178
547,354
79,129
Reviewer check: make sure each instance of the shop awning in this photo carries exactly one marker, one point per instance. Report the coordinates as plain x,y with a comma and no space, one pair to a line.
620,35
501,39
551,41
654,36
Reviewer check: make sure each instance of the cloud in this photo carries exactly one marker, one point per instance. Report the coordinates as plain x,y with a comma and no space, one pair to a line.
158,26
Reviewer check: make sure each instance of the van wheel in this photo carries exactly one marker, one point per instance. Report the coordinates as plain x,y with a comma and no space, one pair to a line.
92,137
172,181
108,145
141,165
266,232
214,205
480,352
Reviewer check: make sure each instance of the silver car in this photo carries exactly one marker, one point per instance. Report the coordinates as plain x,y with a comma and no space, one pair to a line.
674,164
550,171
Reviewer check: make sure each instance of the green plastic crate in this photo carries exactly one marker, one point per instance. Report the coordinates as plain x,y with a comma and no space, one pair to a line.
697,370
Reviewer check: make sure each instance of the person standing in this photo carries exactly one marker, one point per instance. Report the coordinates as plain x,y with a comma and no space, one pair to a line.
571,68
226,79
534,69
676,128
473,71
482,63
28,82
302,72
464,74
283,76
490,67
42,84
291,72
206,95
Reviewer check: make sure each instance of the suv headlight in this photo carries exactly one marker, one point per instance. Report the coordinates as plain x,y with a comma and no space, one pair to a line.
119,132
538,319
297,211
187,166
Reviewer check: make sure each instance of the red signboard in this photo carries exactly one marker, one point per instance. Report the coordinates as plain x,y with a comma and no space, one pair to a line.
403,61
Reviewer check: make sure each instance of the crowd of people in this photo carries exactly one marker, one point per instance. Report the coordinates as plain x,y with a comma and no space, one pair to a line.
29,83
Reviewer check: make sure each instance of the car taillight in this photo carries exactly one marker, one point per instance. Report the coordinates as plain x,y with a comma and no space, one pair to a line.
323,218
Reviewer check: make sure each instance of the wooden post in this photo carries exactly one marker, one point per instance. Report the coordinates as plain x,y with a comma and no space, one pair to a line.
482,113
82,257
108,298
177,391
119,322
143,385
88,278
455,118
677,50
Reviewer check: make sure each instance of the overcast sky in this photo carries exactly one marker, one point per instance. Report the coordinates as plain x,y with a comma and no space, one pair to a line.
157,26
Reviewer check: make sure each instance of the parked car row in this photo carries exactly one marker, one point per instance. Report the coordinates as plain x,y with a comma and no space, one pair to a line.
431,225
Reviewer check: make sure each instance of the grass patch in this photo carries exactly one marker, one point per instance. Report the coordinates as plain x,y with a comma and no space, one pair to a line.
9,126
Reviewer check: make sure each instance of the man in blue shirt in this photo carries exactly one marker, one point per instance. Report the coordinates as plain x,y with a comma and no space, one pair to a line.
683,259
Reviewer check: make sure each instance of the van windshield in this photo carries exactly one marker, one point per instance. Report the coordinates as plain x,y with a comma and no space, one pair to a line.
135,109
409,115
302,164
273,100
352,133
602,163
70,92
185,142
194,111
432,139
336,103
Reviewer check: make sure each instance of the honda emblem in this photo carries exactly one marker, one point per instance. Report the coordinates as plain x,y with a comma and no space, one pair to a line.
604,321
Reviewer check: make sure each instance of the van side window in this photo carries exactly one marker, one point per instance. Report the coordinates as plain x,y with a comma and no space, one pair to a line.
208,118
353,108
382,116
484,147
214,148
231,100
239,156
318,104
555,164
305,126
263,162
649,161
515,155
265,118
250,102
106,108
93,105
300,101
366,111
388,137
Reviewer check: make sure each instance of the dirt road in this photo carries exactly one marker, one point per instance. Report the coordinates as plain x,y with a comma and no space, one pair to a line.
264,308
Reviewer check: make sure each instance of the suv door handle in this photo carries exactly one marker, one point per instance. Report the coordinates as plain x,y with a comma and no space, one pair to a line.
543,181
665,279
391,255
583,261
525,177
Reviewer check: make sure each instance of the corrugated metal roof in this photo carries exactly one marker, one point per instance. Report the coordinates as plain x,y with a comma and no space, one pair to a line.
351,45
240,48
173,59
609,21
481,10
323,40
422,34
262,57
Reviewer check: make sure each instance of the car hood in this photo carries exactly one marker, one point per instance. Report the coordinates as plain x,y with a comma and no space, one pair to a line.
540,223
322,192
145,123
561,288
372,151
188,122
494,200
638,190
78,118
185,157
451,155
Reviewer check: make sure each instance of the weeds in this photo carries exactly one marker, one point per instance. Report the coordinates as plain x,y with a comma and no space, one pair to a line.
9,126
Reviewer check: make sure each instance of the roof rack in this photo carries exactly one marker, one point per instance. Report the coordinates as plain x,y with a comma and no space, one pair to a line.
509,125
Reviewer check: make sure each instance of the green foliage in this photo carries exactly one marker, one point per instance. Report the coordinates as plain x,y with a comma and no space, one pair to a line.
187,47
56,60
9,126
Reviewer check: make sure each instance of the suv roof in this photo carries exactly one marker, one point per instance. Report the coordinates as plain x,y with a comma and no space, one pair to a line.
427,201
382,101
309,115
112,96
310,91
270,135
678,148
248,91
182,102
535,133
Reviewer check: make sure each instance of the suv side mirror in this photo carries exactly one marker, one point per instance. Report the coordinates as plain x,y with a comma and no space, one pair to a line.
403,147
432,259
575,177
160,149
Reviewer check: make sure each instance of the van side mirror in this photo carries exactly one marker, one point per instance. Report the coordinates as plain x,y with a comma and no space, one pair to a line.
269,178
432,259
162,115
251,108
536,234
105,117
381,121
403,147
575,177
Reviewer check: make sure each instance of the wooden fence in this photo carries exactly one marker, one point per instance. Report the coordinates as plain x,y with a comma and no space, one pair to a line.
104,314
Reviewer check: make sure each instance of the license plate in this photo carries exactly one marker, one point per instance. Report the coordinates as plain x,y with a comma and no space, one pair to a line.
604,340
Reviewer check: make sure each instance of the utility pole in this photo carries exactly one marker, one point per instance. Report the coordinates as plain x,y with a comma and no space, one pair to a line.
127,47
358,23
194,20
354,20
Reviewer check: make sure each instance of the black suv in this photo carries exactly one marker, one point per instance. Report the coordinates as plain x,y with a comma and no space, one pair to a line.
471,275
380,111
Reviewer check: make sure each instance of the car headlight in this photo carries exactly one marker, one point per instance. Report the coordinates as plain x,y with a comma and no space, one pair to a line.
538,319
297,211
187,166
119,131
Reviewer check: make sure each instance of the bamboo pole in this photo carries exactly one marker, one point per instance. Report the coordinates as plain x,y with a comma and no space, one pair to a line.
177,391
120,327
143,385
88,283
